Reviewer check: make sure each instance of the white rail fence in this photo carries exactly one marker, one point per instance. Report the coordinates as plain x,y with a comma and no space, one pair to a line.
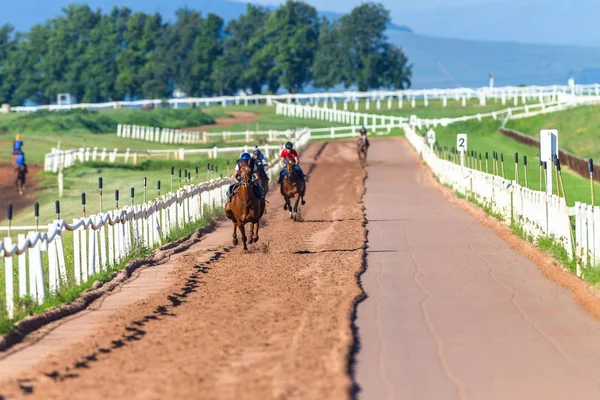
499,93
102,241
175,136
375,120
57,159
539,214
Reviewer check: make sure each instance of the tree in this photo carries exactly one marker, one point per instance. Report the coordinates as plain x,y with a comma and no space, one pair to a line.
207,48
329,61
292,37
370,57
241,65
8,43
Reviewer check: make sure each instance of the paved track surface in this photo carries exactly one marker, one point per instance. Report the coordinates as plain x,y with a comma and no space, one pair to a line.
453,312
271,324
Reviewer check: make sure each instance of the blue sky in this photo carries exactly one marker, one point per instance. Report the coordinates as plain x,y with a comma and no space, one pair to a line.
396,5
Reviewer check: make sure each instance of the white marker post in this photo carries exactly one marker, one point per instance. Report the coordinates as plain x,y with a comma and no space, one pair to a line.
548,147
431,138
461,146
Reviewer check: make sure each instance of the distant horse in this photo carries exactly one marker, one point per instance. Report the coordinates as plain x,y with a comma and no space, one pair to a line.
245,207
363,148
20,179
292,187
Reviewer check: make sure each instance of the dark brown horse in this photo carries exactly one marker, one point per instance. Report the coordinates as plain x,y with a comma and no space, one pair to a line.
292,187
245,207
363,147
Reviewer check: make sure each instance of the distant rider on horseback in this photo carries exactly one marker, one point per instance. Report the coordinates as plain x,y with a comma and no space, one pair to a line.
289,152
363,136
246,158
21,169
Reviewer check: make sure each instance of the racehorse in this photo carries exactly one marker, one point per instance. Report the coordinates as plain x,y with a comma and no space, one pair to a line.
363,147
245,207
20,180
292,187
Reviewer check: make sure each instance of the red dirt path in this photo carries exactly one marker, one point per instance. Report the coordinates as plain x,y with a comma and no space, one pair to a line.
239,117
9,193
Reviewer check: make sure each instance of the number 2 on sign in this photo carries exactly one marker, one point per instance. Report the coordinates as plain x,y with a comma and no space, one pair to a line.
461,142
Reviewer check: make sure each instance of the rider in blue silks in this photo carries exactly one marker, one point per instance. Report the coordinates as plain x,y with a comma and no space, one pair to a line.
247,158
289,152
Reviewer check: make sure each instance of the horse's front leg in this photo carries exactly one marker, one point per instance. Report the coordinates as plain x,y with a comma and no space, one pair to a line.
251,237
255,227
296,206
242,229
235,239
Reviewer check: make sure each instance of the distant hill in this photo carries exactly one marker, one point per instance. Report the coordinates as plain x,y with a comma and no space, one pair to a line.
568,22
441,62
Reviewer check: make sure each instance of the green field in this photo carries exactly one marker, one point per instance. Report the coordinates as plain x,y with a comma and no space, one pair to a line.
484,137
435,109
40,142
578,131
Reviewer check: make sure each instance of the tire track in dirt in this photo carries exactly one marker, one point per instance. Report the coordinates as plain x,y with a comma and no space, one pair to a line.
274,323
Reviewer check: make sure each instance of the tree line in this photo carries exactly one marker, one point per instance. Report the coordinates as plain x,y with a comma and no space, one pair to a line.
122,54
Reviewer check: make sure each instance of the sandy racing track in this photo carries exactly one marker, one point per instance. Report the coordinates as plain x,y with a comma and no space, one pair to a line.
274,323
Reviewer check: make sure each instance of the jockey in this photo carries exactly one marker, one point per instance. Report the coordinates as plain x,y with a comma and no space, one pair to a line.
247,158
17,146
20,161
289,152
363,136
259,159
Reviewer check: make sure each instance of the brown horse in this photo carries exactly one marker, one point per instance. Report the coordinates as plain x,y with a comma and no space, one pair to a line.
21,172
363,147
292,187
245,207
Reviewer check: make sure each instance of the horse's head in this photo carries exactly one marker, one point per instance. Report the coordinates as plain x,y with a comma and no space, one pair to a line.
245,173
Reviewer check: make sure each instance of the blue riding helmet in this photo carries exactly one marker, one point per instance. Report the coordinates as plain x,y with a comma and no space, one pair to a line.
245,157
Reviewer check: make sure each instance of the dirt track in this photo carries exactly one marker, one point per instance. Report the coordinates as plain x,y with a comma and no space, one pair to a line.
9,192
237,117
270,324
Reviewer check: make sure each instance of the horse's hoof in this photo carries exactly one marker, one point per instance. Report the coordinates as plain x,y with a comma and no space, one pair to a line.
303,202
235,242
250,241
285,207
255,239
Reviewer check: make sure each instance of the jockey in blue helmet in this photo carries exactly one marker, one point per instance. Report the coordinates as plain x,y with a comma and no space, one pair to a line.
246,158
259,159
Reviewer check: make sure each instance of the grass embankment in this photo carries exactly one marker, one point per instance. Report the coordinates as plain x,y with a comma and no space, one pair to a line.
484,137
577,129
435,108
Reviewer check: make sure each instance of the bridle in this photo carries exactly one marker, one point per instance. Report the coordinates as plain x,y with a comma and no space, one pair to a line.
246,181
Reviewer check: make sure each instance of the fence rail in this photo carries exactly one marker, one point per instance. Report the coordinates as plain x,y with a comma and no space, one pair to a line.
61,159
375,120
504,93
175,136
